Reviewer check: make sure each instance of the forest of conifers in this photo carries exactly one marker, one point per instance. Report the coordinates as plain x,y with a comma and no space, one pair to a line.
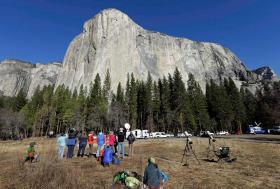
167,104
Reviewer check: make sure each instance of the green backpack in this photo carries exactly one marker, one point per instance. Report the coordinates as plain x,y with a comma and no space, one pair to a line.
120,177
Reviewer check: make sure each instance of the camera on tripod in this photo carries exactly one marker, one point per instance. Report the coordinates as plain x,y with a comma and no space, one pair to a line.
188,149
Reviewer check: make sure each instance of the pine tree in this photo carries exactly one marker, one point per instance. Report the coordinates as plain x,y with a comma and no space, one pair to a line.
156,105
141,105
20,100
198,104
165,109
250,103
132,102
148,102
236,103
107,86
219,105
120,94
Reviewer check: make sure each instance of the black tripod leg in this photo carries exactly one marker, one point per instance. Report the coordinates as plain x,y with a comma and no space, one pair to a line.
195,155
184,153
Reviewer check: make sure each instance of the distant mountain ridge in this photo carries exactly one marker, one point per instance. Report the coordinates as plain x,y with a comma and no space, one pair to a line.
266,73
111,40
16,75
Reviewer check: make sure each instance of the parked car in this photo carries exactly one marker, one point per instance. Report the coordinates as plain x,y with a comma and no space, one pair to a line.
169,135
184,134
139,134
255,130
222,133
158,135
205,134
275,130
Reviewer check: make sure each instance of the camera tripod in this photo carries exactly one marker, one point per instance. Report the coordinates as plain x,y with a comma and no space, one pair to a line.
211,146
188,151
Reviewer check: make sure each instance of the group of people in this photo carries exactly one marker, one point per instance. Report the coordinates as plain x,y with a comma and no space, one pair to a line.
114,141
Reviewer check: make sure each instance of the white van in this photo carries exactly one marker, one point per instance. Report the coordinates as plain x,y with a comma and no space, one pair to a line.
139,134
158,135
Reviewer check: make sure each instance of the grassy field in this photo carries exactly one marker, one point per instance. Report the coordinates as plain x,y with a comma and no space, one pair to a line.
257,165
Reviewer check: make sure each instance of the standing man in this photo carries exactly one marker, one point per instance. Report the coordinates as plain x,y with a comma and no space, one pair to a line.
100,142
152,177
130,140
61,141
90,143
71,143
121,138
82,144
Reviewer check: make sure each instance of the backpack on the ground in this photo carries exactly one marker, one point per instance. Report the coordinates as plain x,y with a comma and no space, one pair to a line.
107,156
132,182
164,177
120,177
116,161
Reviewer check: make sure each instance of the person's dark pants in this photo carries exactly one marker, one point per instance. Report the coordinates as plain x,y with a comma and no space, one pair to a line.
116,147
29,159
81,150
70,151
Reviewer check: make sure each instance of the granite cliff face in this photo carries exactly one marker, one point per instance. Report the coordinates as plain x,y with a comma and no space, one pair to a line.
16,74
111,40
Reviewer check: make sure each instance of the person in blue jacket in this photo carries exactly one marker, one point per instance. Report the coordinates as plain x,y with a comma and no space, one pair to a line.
100,142
152,176
71,143
61,141
82,144
107,156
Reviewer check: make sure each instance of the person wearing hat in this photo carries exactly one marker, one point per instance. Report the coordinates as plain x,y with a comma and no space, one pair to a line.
152,177
121,139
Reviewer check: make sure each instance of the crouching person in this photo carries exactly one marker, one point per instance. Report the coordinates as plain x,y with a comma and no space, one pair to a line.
152,176
31,156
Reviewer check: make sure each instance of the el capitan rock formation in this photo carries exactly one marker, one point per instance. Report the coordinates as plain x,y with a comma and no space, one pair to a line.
111,40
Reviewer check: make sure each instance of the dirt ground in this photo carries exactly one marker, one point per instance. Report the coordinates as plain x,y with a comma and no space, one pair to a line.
257,165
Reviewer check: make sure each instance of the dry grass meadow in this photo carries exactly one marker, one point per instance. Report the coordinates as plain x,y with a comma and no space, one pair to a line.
257,166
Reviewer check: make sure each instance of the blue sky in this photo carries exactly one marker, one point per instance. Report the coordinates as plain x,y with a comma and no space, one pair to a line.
40,30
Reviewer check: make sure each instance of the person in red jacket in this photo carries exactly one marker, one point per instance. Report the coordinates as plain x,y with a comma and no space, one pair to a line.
90,143
111,140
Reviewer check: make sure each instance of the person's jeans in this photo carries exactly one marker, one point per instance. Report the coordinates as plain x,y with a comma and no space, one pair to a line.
70,151
121,148
90,151
130,149
81,150
61,151
99,147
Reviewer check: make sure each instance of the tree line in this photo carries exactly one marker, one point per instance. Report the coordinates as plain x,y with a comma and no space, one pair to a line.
167,104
